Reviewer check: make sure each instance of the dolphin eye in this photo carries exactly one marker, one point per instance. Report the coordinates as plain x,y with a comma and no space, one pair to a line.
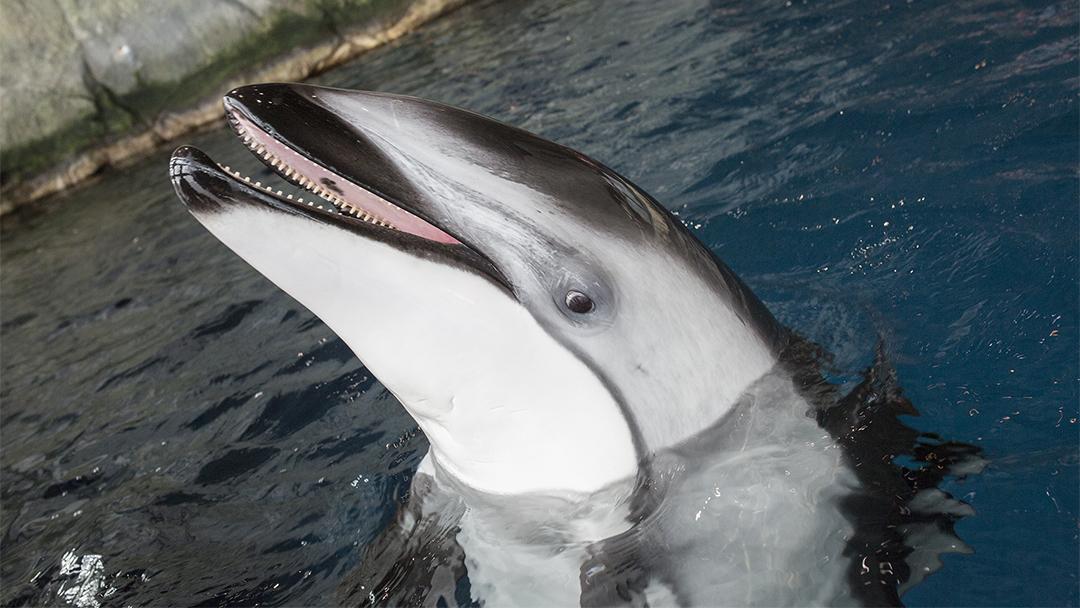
578,302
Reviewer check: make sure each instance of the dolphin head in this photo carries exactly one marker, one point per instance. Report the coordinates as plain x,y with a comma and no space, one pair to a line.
547,323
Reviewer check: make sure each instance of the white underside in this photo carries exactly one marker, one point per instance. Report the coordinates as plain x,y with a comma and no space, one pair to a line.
752,519
507,409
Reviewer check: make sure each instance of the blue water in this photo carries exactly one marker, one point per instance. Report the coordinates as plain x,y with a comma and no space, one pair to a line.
905,170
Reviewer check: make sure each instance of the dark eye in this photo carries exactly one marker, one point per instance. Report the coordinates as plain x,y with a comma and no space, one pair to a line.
578,302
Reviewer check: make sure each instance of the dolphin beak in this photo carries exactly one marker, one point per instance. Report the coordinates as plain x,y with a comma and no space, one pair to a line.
341,177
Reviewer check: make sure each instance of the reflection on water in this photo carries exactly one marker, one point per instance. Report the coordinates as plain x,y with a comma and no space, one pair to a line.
84,580
905,170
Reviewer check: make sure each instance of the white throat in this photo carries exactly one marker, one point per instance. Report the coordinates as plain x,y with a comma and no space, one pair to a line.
507,408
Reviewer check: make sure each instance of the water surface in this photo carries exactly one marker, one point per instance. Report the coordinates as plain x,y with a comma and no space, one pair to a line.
905,170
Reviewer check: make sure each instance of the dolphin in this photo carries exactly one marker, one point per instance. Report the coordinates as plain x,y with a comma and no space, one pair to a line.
613,415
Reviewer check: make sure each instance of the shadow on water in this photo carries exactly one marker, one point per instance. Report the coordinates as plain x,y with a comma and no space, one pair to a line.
176,430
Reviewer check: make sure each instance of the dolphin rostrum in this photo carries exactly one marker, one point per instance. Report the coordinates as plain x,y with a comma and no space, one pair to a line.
613,416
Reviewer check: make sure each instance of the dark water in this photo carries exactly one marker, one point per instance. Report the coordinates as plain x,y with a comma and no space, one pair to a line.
906,170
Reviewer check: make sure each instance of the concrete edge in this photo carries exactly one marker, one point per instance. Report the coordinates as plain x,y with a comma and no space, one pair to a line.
297,65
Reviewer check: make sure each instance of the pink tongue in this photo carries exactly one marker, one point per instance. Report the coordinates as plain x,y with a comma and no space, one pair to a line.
344,189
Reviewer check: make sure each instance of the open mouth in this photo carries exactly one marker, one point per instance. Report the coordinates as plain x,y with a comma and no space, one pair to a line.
325,193
337,172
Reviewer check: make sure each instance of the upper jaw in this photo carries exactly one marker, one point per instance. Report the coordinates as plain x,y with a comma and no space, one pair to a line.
307,146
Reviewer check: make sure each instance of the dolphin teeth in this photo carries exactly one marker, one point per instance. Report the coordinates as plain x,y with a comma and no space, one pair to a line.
338,204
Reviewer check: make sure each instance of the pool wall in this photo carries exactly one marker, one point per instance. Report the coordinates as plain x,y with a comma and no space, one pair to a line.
86,86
